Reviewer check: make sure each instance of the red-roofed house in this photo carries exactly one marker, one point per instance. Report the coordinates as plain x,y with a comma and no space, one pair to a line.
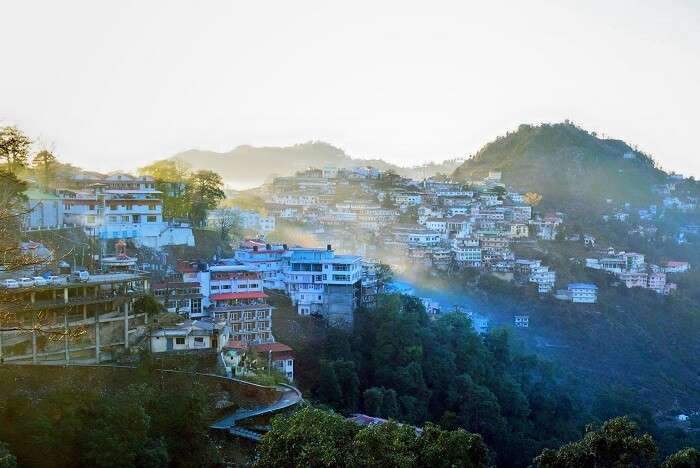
280,356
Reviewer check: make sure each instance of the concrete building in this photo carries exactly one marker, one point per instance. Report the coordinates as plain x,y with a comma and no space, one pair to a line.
583,293
192,335
320,282
44,211
94,318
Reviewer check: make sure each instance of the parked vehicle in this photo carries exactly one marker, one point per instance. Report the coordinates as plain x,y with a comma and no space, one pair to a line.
26,282
80,276
40,281
56,280
10,283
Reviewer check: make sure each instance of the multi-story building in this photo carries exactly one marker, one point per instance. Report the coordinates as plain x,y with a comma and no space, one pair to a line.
44,211
543,277
265,258
467,253
124,207
180,297
320,282
94,318
583,293
234,294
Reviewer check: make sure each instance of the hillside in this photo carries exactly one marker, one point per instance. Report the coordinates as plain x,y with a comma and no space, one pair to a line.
248,166
569,166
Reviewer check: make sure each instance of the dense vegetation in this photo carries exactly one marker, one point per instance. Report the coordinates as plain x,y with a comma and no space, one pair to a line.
567,165
57,420
397,363
315,438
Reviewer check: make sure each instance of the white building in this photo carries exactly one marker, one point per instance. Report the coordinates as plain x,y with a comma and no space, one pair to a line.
125,207
583,293
190,335
44,211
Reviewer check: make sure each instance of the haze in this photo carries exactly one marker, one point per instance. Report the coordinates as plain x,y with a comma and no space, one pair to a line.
116,85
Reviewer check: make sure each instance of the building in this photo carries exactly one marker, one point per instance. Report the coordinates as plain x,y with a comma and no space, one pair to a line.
319,281
279,356
44,211
192,335
121,206
96,312
240,359
583,293
676,267
521,321
180,297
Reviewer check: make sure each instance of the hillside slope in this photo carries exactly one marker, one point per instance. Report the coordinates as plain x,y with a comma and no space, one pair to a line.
249,166
569,166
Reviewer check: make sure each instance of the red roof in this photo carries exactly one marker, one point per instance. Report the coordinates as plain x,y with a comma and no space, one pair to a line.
239,295
236,345
274,347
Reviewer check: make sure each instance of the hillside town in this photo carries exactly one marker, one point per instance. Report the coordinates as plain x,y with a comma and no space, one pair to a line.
106,269
369,218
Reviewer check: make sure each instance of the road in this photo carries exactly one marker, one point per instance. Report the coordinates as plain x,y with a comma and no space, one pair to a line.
289,396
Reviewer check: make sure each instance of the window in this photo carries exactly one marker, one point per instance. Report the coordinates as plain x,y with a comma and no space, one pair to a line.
180,341
112,219
152,206
126,219
225,286
199,342
214,287
91,219
151,218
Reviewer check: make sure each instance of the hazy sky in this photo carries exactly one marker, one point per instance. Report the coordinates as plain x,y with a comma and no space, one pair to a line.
118,84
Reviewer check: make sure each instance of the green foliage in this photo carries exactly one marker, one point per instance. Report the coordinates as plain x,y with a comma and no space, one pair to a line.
315,438
204,192
45,162
66,422
686,458
414,369
186,194
310,437
588,169
7,460
14,148
615,444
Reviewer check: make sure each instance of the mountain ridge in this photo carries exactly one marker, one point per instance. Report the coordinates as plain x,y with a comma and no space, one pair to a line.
253,165
567,165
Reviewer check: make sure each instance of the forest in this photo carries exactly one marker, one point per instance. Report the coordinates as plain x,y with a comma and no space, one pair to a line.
397,363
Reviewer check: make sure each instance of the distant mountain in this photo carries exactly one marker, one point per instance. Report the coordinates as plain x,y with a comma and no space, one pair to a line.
567,165
248,166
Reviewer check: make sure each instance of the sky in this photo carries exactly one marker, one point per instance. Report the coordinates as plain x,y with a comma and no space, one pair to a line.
115,85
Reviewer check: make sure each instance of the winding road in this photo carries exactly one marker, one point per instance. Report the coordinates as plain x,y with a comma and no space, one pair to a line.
289,396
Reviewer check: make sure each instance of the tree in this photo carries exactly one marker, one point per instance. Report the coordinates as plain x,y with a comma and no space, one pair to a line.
316,438
171,177
615,444
372,399
329,390
686,458
532,198
390,406
204,191
12,259
500,192
7,460
440,448
384,445
14,148
44,161
309,437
